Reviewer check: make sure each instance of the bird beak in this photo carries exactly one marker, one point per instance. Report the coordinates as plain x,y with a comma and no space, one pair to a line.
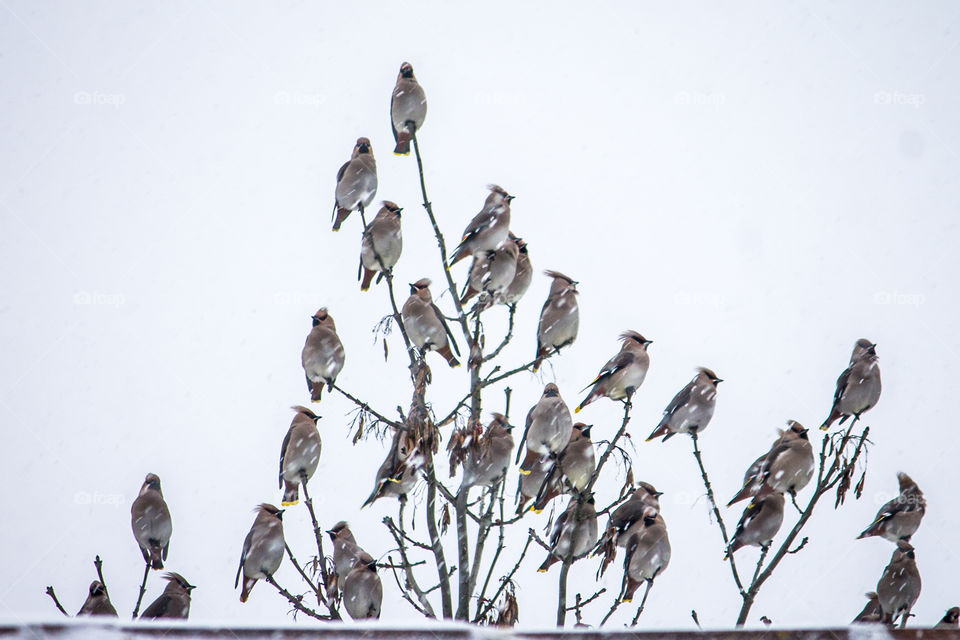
717,380
510,198
648,342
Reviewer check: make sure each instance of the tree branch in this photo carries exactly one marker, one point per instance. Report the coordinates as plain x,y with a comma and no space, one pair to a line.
296,601
53,595
143,590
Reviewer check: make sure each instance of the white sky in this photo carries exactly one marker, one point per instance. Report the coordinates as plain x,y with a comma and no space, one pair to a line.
751,186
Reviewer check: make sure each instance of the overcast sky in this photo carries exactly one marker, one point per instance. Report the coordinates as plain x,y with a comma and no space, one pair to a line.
753,187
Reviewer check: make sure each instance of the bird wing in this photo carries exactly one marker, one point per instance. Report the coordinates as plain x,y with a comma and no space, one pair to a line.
558,528
243,556
392,128
679,400
159,607
750,513
343,170
526,429
446,327
616,363
283,454
769,459
481,222
842,382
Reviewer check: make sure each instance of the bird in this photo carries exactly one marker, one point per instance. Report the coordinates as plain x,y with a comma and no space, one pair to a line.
381,244
644,501
97,602
174,602
624,373
950,619
577,460
485,464
299,454
322,356
647,552
559,317
399,472
574,533
425,323
858,387
362,589
150,519
356,182
346,551
899,518
262,549
408,109
522,276
541,485
491,272
691,409
549,425
760,522
488,229
899,586
871,611
786,468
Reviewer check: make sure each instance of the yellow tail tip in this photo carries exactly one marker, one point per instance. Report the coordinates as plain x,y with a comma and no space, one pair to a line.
401,154
336,230
290,504
824,428
535,510
650,438
577,410
628,600
315,401
541,570
524,472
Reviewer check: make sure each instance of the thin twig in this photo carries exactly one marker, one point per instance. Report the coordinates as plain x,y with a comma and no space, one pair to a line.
98,563
53,594
296,601
531,536
411,581
643,602
143,590
442,571
315,588
321,558
506,339
367,408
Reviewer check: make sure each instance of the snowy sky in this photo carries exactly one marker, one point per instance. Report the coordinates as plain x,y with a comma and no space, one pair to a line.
751,186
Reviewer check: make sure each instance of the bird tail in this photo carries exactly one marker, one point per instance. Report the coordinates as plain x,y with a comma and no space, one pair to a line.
661,430
291,493
156,561
542,352
367,279
549,562
247,587
448,356
526,467
316,390
632,586
522,504
834,414
342,214
593,395
403,142
469,293
458,254
745,492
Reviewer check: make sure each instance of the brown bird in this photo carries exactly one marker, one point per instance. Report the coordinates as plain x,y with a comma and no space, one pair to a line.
425,323
648,552
540,484
691,409
399,472
950,619
356,182
858,387
346,551
624,373
151,522
97,602
871,611
900,518
786,468
381,244
760,522
522,277
488,229
322,356
574,533
408,109
486,464
491,273
362,589
559,317
577,460
299,454
174,602
899,586
262,549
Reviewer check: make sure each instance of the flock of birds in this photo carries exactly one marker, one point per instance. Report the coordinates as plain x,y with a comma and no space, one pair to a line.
559,456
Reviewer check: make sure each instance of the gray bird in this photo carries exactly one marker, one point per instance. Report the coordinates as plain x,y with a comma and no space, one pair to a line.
871,611
574,533
488,229
858,387
381,244
541,485
362,590
624,373
486,464
150,519
691,409
644,502
299,454
322,356
786,468
900,518
648,552
262,549
577,461
760,522
408,109
346,551
97,602
899,586
425,323
522,276
549,425
356,182
492,272
950,620
399,472
559,317
174,602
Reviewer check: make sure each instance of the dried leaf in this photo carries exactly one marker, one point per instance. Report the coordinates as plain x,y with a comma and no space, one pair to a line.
386,353
445,518
509,611
858,491
359,434
844,485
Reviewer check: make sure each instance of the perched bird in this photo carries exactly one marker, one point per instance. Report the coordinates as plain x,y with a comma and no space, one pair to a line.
346,551
488,462
559,317
322,356
488,229
858,387
549,425
97,602
541,485
408,108
174,602
950,619
299,454
648,552
574,533
900,518
786,468
151,522
262,549
644,502
899,586
577,461
425,323
871,611
492,272
691,409
356,182
399,472
624,373
522,276
362,589
381,244
760,521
